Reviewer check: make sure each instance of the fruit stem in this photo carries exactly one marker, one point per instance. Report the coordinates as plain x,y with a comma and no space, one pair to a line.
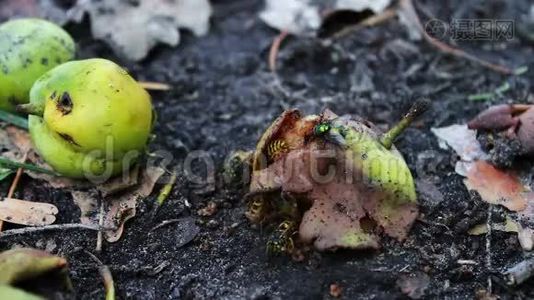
419,107
9,164
30,109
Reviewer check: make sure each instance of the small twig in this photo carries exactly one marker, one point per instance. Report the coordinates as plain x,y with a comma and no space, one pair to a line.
166,190
368,22
408,8
14,119
99,237
108,282
27,230
14,184
105,272
165,223
154,86
16,180
488,245
275,48
466,262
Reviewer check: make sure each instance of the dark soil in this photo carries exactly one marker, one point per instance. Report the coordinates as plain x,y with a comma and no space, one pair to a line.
224,97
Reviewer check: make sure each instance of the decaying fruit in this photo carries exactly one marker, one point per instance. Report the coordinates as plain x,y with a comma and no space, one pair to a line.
89,118
338,183
28,49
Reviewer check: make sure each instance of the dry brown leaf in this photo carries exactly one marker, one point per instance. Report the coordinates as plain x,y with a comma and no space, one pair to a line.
123,208
88,204
498,187
119,183
119,208
27,213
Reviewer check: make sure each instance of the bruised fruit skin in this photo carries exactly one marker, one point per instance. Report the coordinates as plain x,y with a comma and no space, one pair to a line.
28,49
89,118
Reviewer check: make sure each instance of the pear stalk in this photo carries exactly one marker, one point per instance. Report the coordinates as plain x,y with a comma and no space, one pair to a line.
30,109
419,107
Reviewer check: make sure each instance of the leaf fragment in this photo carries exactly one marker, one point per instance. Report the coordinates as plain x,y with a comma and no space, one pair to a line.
27,213
26,263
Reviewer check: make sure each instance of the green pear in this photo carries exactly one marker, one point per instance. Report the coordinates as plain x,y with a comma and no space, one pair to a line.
28,49
89,118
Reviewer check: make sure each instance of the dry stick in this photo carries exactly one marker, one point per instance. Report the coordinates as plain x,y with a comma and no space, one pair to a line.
165,223
99,237
14,184
275,48
368,22
46,228
105,272
407,6
488,246
154,86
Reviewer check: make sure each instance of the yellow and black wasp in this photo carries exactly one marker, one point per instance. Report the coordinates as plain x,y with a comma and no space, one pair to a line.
281,240
276,148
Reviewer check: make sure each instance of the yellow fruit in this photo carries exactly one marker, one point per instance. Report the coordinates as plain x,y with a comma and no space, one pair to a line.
28,49
90,119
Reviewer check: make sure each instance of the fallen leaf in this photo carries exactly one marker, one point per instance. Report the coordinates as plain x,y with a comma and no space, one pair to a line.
26,263
122,208
414,285
305,17
119,183
187,230
462,140
88,204
498,187
11,293
132,28
118,207
495,186
27,212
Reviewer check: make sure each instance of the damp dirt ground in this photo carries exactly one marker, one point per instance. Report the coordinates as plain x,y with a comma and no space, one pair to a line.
224,96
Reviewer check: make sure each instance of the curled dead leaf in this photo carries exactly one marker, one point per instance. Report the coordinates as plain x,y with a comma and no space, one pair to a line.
118,207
